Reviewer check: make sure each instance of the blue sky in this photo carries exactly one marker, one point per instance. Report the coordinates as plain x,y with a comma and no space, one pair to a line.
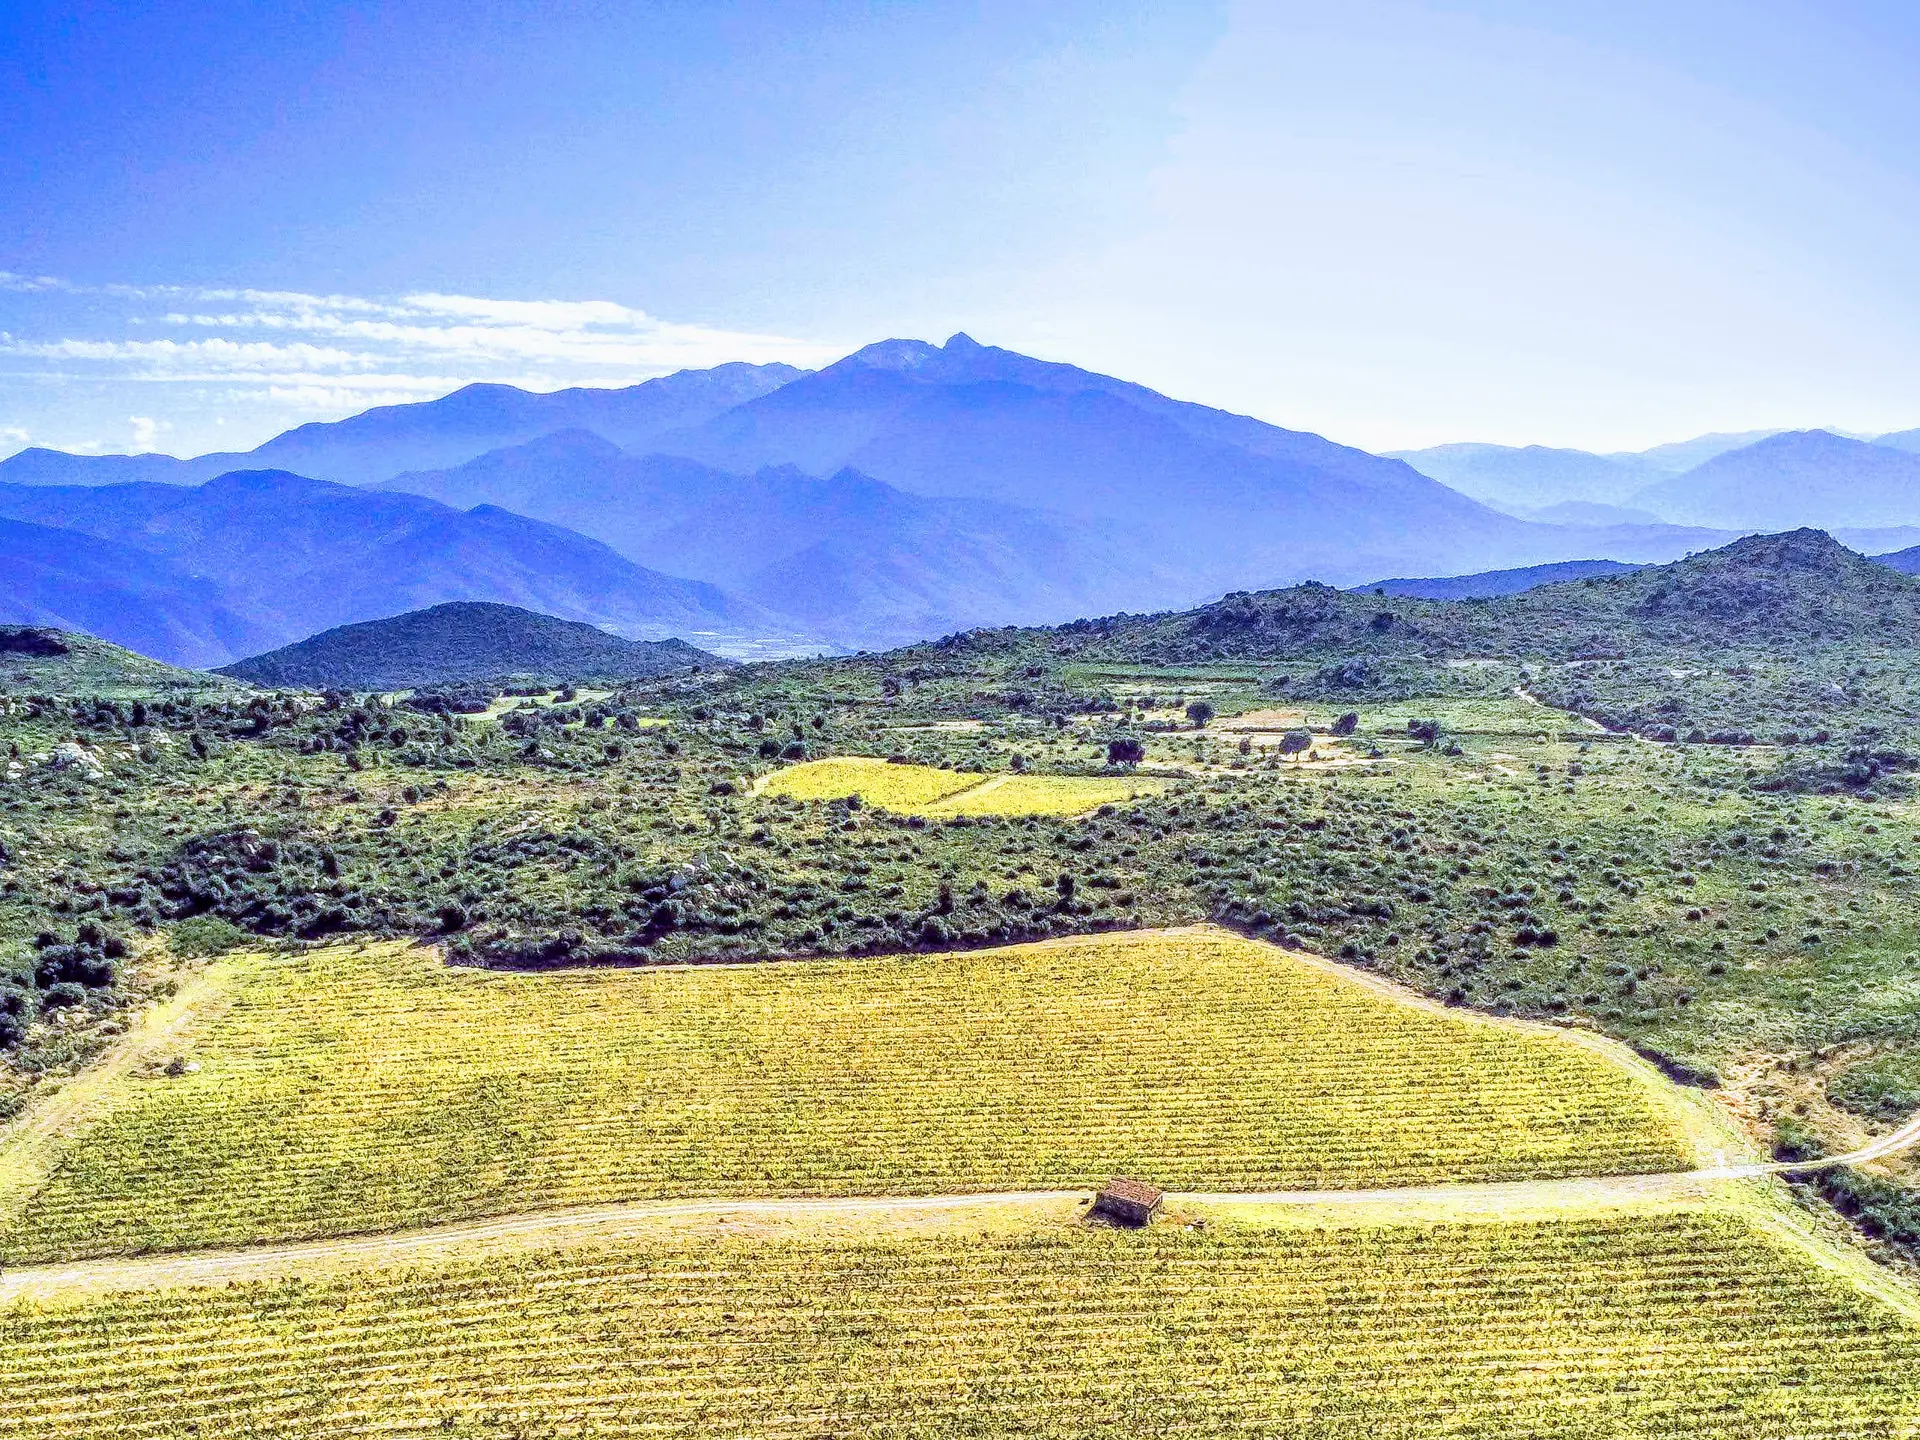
1394,223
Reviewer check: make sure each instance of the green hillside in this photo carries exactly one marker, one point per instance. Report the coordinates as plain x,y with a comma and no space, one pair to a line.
39,660
1770,637
465,641
1801,587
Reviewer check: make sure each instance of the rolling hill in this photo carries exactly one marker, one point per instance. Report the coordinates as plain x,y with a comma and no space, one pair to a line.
1785,592
1789,637
459,641
296,555
45,660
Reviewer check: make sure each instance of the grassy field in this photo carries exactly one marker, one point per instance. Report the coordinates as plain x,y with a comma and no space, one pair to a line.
1693,1324
892,787
346,1089
925,790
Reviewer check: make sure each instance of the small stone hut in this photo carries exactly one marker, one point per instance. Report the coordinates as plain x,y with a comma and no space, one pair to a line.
1127,1202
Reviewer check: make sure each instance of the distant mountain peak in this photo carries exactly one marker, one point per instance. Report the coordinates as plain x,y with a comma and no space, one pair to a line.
894,355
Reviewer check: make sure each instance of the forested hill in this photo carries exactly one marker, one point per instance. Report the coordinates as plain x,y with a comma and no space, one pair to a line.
1799,588
465,641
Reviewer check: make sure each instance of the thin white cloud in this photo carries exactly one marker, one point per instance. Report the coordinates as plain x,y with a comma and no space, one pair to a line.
191,358
583,337
267,355
30,284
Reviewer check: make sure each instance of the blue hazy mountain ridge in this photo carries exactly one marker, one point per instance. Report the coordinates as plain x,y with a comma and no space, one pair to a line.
1801,477
1589,512
380,443
37,465
909,488
51,576
1538,482
1680,455
1216,501
298,555
1530,477
1496,582
856,560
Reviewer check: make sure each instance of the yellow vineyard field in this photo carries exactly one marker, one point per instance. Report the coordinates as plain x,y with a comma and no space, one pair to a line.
1045,795
1681,1325
924,790
892,787
351,1090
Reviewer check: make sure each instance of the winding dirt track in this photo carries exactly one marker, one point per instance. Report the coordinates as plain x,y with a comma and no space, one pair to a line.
476,1239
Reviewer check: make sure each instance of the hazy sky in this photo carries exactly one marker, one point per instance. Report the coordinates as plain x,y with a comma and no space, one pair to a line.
1603,224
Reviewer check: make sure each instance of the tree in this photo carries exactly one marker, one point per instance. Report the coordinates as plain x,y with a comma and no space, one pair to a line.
1294,741
1425,731
1125,751
1199,712
1346,724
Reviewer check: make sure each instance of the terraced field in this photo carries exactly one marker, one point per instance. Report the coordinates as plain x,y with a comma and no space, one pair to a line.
349,1090
1692,1324
926,790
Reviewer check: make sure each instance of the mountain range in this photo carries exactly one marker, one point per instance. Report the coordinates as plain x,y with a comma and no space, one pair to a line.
1806,477
905,491
54,577
912,488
